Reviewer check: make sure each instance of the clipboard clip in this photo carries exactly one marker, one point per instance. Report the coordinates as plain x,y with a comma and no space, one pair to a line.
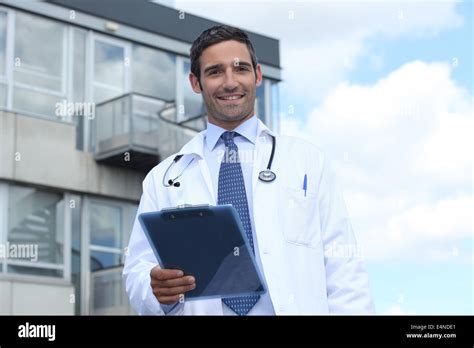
182,206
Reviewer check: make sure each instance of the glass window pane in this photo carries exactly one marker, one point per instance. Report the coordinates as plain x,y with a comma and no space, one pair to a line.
109,64
79,64
193,105
38,51
3,41
154,72
75,206
108,293
260,102
49,82
130,211
105,225
275,105
35,218
36,102
100,260
3,95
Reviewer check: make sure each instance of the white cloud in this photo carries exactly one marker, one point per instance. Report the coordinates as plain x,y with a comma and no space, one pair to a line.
327,19
414,123
403,148
430,231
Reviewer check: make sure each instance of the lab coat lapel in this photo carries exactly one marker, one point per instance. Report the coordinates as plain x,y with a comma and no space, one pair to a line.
265,208
195,147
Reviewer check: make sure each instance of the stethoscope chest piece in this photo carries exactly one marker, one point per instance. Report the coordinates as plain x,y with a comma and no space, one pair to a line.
267,175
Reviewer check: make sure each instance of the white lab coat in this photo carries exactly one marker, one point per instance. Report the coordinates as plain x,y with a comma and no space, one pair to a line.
292,231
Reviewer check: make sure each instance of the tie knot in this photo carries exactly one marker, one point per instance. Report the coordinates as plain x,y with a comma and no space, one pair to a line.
228,137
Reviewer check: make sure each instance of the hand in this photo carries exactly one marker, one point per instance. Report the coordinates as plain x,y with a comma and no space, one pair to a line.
169,285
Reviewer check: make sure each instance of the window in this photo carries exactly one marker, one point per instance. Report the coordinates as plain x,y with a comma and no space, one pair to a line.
3,49
79,64
154,72
3,41
109,69
79,82
193,105
260,102
266,103
39,64
105,225
275,105
35,226
109,225
75,205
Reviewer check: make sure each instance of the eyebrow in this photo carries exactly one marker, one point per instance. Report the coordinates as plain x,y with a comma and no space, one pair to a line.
217,66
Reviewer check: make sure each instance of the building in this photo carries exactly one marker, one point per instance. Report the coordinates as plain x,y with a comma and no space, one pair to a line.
92,95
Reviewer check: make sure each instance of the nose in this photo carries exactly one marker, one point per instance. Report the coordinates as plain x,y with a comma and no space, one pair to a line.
230,82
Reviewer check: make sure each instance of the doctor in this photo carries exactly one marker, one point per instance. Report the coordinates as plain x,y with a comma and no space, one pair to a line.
296,224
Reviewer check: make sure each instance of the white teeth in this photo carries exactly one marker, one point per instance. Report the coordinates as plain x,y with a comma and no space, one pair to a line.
231,97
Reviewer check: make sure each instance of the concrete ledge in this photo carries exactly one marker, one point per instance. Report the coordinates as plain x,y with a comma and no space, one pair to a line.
21,298
41,151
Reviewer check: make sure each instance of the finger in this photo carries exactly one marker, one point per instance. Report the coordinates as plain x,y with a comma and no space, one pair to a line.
170,299
164,274
171,283
176,290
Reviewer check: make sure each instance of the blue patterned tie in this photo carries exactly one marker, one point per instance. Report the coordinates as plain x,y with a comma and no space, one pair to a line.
231,190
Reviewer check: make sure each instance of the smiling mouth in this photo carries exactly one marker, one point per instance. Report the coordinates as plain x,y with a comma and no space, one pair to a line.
231,97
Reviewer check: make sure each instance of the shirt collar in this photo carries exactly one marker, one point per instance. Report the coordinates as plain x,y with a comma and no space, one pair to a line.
248,130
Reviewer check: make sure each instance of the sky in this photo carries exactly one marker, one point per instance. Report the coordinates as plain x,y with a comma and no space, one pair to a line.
385,89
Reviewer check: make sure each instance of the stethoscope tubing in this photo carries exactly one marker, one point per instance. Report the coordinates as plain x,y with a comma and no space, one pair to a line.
265,175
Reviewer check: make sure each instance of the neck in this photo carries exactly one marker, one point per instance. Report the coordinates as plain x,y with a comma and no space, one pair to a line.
228,125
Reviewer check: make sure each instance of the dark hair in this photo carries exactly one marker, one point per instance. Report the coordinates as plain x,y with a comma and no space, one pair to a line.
215,35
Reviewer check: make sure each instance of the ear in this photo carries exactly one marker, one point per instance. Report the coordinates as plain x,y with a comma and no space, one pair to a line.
194,83
258,81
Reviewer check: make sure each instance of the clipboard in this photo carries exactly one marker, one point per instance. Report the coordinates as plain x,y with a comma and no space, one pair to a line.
207,242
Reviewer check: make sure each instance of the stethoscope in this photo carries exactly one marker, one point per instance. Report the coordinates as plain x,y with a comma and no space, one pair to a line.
266,175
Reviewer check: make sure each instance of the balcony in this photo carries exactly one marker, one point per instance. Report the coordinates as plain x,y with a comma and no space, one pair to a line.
138,131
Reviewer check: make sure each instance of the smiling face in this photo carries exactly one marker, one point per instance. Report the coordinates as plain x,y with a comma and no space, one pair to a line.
228,83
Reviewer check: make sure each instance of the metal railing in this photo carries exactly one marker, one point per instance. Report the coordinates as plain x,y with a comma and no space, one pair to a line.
141,123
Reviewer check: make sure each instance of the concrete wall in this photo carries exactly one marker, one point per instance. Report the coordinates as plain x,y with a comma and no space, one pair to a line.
42,151
32,298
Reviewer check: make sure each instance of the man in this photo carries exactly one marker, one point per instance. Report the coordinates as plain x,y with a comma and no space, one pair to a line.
293,223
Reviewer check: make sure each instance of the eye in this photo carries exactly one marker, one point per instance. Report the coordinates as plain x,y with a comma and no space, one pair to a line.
242,68
213,72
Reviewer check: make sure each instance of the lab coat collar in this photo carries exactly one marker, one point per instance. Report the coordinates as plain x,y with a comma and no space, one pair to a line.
196,145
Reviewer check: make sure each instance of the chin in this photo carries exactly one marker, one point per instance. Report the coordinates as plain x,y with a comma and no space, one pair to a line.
231,116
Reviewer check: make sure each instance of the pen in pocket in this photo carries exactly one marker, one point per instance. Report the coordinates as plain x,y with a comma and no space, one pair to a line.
305,184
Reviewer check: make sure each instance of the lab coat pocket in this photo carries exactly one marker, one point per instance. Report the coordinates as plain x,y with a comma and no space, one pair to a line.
300,217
